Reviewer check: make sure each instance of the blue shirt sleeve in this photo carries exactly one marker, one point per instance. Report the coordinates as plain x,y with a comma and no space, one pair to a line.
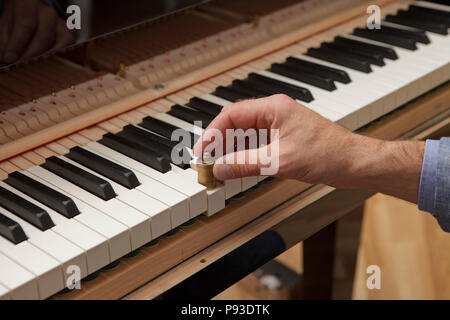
427,185
434,189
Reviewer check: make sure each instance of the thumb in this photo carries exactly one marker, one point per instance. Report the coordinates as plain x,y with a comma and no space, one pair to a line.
244,163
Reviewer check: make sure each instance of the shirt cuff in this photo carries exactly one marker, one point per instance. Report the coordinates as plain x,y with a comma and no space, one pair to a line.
427,185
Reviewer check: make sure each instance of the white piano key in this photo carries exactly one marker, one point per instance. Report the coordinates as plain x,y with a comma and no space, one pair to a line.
336,100
232,187
215,99
46,269
20,283
423,71
212,197
429,54
216,197
432,5
322,108
378,93
139,222
65,252
94,244
421,60
178,123
196,193
4,293
401,63
159,213
117,233
248,182
439,42
176,201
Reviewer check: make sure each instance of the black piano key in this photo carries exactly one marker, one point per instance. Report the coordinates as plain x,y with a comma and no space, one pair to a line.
136,152
318,69
430,11
85,180
204,106
374,34
370,57
431,26
253,92
425,16
149,134
231,94
414,34
302,75
190,115
267,91
166,129
44,194
339,58
155,143
11,230
245,84
386,52
267,83
105,167
26,210
443,2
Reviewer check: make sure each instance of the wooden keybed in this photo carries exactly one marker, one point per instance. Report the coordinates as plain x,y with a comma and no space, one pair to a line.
152,262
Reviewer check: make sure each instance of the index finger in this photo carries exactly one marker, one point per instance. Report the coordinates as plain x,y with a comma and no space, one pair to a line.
246,114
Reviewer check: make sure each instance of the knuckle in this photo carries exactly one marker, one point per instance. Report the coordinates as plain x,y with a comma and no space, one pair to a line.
226,107
282,99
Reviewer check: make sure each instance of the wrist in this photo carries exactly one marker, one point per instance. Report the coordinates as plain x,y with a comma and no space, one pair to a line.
391,167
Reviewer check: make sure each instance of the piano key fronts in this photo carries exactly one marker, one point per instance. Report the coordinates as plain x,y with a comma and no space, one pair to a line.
107,190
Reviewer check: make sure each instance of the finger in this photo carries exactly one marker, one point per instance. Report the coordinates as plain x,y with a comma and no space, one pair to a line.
24,26
256,113
45,35
64,36
5,26
245,163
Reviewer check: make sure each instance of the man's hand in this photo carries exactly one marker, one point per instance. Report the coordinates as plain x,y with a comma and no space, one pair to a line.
316,150
29,28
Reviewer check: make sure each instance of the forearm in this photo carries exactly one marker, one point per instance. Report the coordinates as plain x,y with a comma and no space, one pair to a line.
390,167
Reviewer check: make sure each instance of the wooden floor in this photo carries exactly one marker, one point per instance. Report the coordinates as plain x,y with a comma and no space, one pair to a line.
411,250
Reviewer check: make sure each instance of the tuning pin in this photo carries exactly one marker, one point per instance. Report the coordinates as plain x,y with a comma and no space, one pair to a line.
205,171
122,70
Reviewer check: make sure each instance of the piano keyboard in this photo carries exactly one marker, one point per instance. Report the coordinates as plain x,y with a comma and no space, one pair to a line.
99,194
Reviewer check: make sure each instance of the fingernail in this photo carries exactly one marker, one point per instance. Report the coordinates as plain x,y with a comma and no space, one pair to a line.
9,57
223,172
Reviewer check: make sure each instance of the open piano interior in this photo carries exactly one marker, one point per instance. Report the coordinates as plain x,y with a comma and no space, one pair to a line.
85,132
